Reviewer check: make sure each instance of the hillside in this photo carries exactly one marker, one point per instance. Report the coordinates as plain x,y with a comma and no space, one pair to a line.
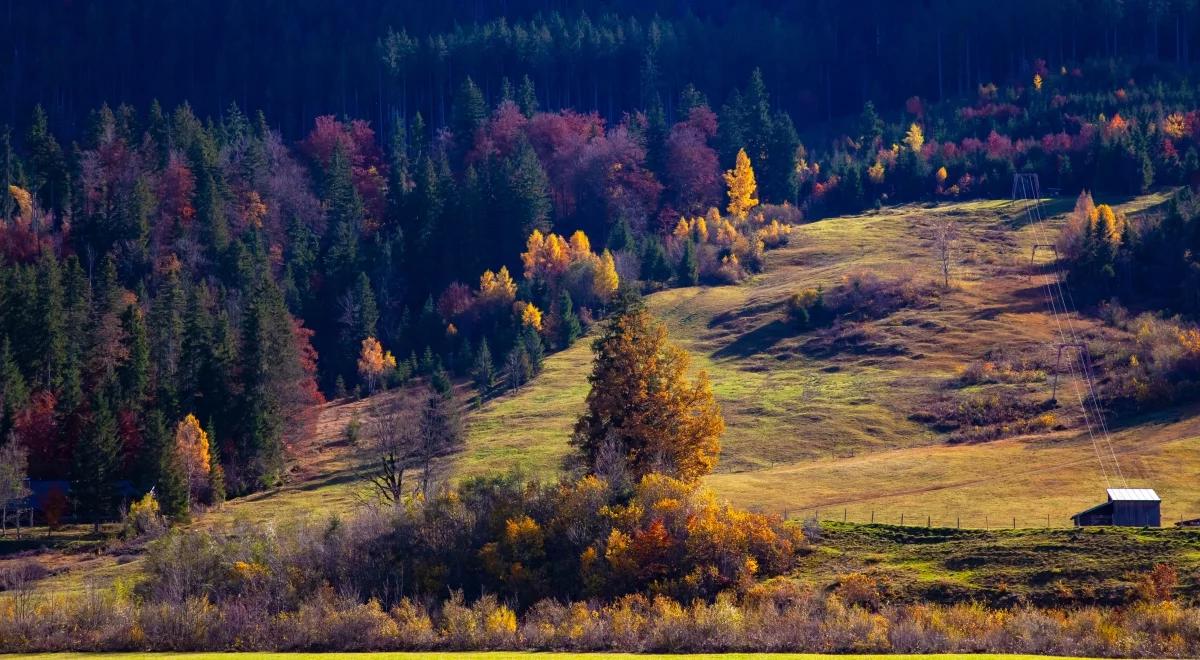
810,428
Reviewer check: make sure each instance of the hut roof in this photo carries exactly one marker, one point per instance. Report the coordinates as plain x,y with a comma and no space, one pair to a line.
1133,495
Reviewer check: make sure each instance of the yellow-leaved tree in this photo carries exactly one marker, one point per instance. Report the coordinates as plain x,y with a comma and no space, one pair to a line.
605,279
497,288
374,362
191,443
644,415
531,316
741,186
915,138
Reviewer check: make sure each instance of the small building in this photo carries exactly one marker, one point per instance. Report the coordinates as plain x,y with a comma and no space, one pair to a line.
1126,507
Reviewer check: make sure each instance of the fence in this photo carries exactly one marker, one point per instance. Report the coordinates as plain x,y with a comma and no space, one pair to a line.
951,519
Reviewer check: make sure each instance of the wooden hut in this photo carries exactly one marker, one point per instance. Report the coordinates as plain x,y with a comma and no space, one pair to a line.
1126,507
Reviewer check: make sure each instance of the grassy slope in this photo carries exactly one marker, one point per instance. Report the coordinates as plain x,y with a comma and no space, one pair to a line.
832,433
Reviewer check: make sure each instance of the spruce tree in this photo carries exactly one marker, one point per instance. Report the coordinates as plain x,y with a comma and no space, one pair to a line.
216,471
134,373
535,349
689,266
484,371
14,393
468,115
49,177
345,215
96,465
569,328
527,97
52,334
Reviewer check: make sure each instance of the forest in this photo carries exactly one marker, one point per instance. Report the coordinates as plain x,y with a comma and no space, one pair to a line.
202,247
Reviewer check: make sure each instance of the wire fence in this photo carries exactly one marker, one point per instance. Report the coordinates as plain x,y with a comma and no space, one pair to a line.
949,519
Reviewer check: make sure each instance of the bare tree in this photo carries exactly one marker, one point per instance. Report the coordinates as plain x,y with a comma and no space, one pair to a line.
945,246
14,488
391,451
441,433
412,435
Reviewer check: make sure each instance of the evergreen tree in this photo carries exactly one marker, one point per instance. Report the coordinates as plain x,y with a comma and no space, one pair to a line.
216,472
14,394
96,465
266,330
569,328
468,115
689,266
173,489
49,177
484,372
534,348
148,472
8,174
52,335
527,97
345,215
134,374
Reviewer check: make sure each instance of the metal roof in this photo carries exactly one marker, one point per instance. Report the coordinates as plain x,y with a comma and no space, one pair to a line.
1133,495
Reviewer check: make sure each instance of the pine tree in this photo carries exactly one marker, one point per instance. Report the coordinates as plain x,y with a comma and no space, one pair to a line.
525,202
268,350
468,115
134,374
49,177
345,213
689,266
527,97
534,348
52,334
96,464
484,372
569,328
216,472
14,393
174,494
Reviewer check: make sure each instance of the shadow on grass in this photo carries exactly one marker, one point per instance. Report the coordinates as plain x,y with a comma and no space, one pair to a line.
758,340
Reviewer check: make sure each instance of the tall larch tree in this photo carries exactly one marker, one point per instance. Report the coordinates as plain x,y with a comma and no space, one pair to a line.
741,187
642,407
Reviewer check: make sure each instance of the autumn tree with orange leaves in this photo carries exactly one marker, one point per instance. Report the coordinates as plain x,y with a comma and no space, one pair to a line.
643,413
374,362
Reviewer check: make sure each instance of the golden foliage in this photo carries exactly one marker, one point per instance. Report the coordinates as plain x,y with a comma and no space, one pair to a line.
605,280
547,256
774,234
373,361
875,172
1106,223
1037,81
1175,126
24,201
531,316
192,444
941,175
741,186
641,397
915,137
497,287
